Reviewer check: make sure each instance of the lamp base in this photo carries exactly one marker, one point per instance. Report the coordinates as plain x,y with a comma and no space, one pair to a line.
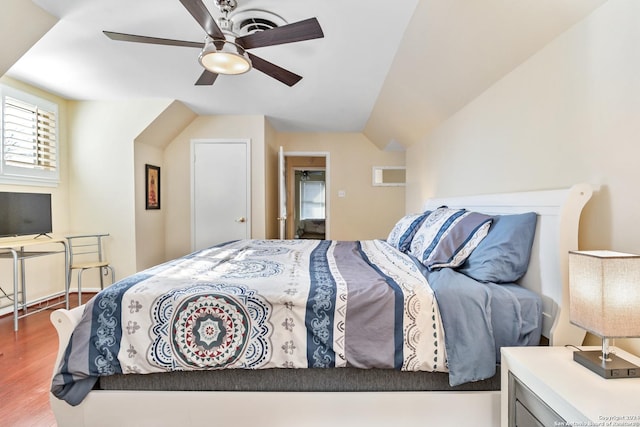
614,367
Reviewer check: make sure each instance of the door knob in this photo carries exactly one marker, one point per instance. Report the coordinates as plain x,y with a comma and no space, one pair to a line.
241,219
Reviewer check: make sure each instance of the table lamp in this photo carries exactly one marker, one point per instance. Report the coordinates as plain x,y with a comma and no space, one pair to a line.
604,289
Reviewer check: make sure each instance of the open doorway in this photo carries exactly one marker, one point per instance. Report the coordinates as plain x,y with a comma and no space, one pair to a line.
306,188
309,204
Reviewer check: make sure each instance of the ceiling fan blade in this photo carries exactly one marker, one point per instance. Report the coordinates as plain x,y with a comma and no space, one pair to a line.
199,11
298,31
206,78
151,40
272,70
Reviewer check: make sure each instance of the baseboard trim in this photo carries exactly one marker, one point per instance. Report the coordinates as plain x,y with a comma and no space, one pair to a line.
50,301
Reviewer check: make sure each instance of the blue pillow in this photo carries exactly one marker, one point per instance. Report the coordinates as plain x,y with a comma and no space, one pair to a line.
503,256
404,230
448,236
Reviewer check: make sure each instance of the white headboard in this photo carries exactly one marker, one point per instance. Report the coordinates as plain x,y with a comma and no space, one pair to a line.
556,234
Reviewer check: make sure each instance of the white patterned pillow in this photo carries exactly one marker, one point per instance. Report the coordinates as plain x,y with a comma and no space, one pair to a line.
404,230
447,237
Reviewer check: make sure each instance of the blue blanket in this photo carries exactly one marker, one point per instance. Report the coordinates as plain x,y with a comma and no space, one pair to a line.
479,319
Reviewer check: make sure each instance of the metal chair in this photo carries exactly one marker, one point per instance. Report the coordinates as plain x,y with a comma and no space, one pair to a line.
85,253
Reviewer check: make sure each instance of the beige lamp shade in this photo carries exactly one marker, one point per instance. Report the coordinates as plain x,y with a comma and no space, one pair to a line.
604,291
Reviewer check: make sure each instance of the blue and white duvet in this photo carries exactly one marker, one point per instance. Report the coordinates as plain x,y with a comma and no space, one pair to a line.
256,304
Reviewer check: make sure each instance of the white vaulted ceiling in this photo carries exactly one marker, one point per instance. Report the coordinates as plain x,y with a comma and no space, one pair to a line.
393,70
453,50
342,72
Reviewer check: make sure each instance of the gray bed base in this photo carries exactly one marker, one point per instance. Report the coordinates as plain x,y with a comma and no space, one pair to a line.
294,380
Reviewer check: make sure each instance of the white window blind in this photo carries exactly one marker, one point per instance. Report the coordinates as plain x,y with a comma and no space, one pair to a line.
312,200
29,138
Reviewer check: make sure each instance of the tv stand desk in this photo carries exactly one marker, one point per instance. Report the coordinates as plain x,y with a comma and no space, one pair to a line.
21,249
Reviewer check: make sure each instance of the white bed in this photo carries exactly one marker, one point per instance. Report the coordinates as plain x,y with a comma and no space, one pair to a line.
557,232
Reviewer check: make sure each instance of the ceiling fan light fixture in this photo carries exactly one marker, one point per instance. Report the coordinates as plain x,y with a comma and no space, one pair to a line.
229,59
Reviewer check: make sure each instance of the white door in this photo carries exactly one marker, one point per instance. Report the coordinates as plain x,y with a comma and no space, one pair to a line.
282,194
221,192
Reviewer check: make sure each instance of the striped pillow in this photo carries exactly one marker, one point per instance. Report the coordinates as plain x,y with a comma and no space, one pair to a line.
447,237
404,230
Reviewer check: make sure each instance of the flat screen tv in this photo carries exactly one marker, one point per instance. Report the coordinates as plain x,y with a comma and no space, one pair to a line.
24,214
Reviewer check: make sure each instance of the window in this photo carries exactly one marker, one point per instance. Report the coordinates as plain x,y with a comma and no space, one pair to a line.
312,200
28,136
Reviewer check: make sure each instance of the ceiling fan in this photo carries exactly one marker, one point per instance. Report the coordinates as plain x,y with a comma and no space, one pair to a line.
224,52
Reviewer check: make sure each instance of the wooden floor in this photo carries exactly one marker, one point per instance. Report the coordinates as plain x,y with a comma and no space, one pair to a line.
26,365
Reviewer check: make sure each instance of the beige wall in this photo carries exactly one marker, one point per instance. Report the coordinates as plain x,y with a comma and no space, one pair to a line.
177,175
46,274
151,224
102,173
366,212
569,114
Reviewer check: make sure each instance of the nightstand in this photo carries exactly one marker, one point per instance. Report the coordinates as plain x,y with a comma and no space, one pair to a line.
544,387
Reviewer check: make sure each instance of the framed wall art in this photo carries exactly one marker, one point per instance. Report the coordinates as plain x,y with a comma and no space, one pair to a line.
152,186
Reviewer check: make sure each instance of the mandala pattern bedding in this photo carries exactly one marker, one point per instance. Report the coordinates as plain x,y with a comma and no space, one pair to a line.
256,304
